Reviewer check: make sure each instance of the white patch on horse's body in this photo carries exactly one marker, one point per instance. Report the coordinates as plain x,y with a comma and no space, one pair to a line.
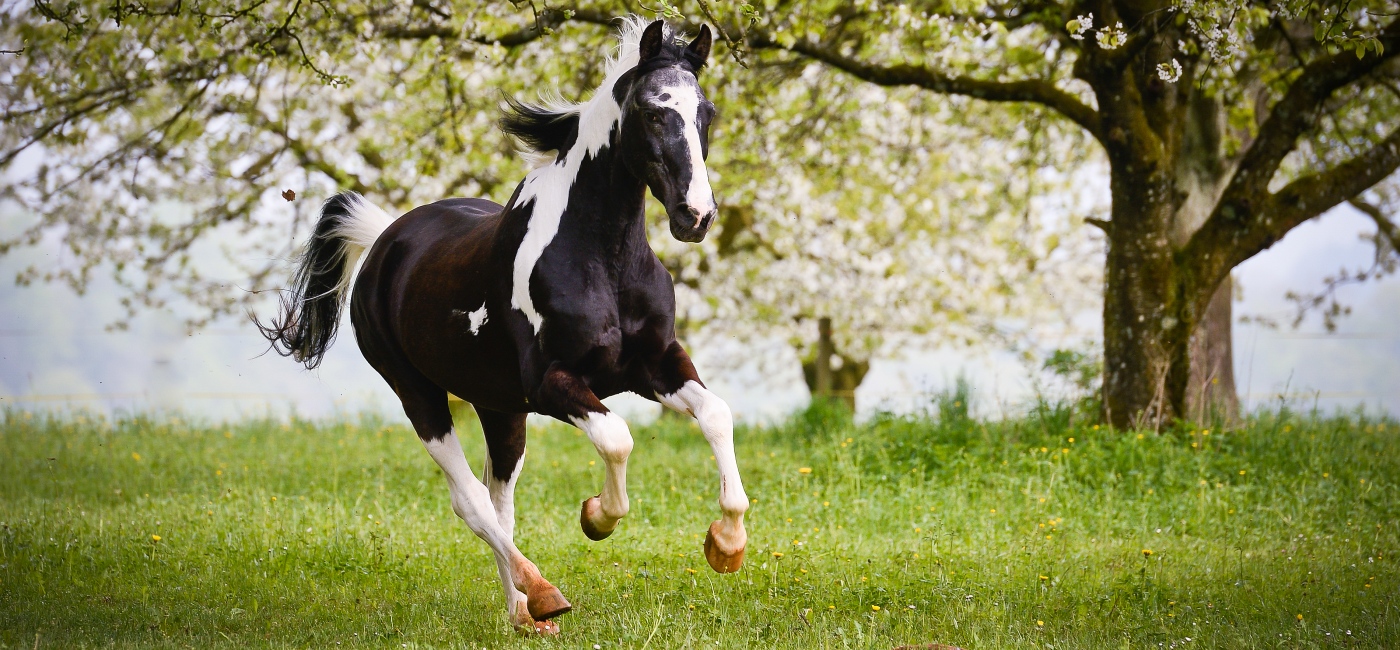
686,101
476,319
549,186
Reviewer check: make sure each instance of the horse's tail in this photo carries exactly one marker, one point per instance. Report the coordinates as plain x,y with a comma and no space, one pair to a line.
310,310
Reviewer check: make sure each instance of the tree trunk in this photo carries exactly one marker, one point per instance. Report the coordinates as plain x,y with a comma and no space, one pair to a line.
1211,391
1140,326
825,349
830,374
1167,351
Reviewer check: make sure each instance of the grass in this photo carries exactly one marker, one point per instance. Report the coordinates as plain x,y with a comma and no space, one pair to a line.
1039,532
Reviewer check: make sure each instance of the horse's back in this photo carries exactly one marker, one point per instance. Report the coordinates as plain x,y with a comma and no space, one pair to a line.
426,299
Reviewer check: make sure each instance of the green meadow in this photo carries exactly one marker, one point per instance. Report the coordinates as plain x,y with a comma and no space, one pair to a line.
1279,532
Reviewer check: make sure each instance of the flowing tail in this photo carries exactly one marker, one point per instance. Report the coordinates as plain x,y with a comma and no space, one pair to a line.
310,310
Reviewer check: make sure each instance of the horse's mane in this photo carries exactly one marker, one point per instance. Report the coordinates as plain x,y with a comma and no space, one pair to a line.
554,123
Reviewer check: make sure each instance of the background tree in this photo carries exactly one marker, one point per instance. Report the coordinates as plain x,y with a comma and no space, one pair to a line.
1225,125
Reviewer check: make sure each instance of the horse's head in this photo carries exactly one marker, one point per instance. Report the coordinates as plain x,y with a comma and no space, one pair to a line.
665,128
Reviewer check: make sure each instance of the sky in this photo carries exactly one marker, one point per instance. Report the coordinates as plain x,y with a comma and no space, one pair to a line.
56,352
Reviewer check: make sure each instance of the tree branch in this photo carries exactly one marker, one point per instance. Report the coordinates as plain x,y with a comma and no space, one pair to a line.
548,19
1294,115
1036,91
1226,240
1386,228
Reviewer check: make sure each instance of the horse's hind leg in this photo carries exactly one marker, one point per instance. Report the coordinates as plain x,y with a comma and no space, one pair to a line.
505,455
426,406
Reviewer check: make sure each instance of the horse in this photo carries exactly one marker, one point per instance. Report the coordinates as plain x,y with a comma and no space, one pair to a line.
544,305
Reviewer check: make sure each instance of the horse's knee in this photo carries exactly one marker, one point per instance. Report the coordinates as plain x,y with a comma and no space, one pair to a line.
609,434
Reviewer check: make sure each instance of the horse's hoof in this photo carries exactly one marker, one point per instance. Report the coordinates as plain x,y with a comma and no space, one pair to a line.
720,560
545,602
592,510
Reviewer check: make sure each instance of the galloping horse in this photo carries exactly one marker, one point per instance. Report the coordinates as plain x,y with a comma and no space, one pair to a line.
544,305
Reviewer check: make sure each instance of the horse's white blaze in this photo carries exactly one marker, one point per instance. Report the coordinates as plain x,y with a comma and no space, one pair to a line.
611,437
476,319
549,186
717,424
686,101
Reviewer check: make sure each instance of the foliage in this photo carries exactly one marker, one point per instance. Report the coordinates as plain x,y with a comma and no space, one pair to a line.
997,534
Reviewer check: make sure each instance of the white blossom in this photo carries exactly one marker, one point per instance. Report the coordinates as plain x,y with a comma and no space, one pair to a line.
1080,25
1112,38
1170,71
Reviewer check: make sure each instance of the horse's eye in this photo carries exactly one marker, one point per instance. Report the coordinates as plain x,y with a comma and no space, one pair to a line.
654,118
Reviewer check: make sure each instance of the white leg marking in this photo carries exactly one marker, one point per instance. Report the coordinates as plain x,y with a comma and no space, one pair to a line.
686,101
613,440
472,502
717,424
503,498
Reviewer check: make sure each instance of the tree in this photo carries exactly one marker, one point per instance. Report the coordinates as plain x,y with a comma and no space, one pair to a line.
1225,125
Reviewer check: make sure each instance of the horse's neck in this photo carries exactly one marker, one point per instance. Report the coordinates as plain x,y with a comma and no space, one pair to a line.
607,205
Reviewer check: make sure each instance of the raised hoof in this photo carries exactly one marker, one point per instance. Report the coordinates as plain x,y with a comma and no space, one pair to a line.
720,561
593,509
545,602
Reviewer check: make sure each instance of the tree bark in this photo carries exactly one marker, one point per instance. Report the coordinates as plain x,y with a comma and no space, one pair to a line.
825,349
1211,393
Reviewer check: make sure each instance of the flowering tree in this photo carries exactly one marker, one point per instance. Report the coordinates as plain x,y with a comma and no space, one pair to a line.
1225,125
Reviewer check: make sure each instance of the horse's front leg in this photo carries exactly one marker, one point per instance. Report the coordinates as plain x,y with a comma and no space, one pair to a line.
566,396
679,387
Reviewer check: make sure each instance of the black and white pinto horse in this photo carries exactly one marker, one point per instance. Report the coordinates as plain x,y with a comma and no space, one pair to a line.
544,305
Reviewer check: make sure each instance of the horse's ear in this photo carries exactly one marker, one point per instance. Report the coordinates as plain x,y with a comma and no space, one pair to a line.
650,43
699,49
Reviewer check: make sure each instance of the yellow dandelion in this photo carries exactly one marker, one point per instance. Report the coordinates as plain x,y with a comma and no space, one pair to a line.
831,607
804,470
1300,617
218,472
135,456
1140,436
689,570
1044,450
1241,472
1064,451
918,530
1095,427
1040,623
1044,578
777,554
1071,441
994,510
826,504
1147,552
591,463
155,538
750,500
876,608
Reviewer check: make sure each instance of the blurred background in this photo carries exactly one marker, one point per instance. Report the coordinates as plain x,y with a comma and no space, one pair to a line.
881,239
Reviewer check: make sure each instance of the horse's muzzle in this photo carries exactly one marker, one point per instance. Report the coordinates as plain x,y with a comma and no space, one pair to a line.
689,224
